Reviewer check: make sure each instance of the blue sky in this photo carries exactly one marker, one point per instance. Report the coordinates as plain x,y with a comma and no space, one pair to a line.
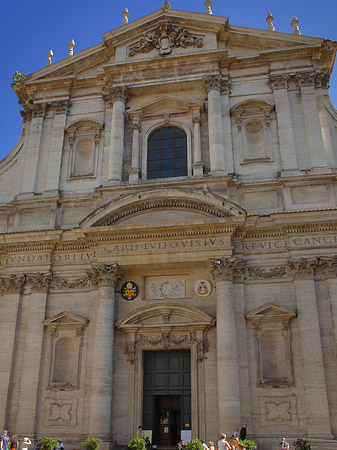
29,29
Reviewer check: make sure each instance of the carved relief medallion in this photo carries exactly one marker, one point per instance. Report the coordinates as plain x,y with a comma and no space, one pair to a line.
167,289
203,288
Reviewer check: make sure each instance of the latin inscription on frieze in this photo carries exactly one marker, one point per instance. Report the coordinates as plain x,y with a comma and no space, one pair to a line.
169,245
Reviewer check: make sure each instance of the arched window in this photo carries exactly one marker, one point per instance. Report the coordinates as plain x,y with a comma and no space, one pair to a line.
167,153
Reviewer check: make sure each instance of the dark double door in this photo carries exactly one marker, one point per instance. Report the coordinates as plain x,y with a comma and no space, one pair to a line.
167,395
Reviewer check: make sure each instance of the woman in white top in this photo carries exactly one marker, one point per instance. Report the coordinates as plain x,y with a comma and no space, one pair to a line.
223,444
25,443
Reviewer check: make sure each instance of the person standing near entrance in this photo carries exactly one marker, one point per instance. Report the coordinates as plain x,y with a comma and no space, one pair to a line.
140,433
243,433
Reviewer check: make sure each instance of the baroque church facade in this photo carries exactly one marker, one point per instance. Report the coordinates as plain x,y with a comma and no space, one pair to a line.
168,238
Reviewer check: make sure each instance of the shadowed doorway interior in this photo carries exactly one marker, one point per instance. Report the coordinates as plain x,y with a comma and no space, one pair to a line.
167,395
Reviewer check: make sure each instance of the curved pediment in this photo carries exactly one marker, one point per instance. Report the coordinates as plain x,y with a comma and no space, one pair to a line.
165,315
159,207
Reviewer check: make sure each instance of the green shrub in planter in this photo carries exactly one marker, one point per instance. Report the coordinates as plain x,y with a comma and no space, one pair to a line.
92,443
137,444
194,444
48,443
301,444
249,445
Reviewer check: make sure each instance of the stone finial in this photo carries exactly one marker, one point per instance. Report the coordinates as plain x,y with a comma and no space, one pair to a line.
294,23
126,16
208,4
166,5
270,19
71,47
50,55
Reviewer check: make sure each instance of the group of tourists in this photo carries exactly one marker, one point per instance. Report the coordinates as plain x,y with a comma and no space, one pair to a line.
235,442
12,443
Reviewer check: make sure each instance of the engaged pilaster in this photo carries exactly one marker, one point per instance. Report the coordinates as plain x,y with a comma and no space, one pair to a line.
56,147
134,171
33,310
117,97
105,278
279,84
224,270
37,113
317,408
307,82
214,85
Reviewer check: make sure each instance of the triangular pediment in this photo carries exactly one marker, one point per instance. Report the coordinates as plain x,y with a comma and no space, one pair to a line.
163,105
271,311
65,318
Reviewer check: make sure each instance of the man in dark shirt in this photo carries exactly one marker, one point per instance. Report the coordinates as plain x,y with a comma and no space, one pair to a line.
4,440
243,433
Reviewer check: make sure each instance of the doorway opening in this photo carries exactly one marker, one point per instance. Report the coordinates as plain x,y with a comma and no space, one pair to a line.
167,395
167,419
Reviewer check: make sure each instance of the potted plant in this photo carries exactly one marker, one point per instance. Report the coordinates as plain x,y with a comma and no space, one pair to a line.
48,443
137,444
249,445
301,444
92,443
194,444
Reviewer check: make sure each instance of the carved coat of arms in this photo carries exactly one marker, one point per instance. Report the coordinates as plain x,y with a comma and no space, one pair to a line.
165,37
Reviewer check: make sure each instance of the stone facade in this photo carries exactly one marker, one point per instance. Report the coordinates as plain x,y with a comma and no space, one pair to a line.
235,261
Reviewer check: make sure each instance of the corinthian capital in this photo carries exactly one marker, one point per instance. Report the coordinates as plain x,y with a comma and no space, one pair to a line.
302,269
11,284
116,93
327,266
38,282
39,109
105,275
227,269
279,81
217,83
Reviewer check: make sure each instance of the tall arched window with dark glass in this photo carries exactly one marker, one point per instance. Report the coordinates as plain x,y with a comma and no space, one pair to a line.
167,153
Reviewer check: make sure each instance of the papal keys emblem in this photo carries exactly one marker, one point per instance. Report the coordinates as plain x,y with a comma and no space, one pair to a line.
129,290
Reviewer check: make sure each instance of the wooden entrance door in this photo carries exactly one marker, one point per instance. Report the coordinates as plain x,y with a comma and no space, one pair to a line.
167,394
167,419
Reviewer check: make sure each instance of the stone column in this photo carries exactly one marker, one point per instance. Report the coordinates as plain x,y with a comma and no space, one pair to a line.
56,146
117,97
10,288
317,409
306,82
198,167
33,149
279,84
105,278
134,171
214,84
223,272
34,301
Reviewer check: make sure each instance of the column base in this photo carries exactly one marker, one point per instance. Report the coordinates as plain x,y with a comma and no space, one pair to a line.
134,175
323,169
198,169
